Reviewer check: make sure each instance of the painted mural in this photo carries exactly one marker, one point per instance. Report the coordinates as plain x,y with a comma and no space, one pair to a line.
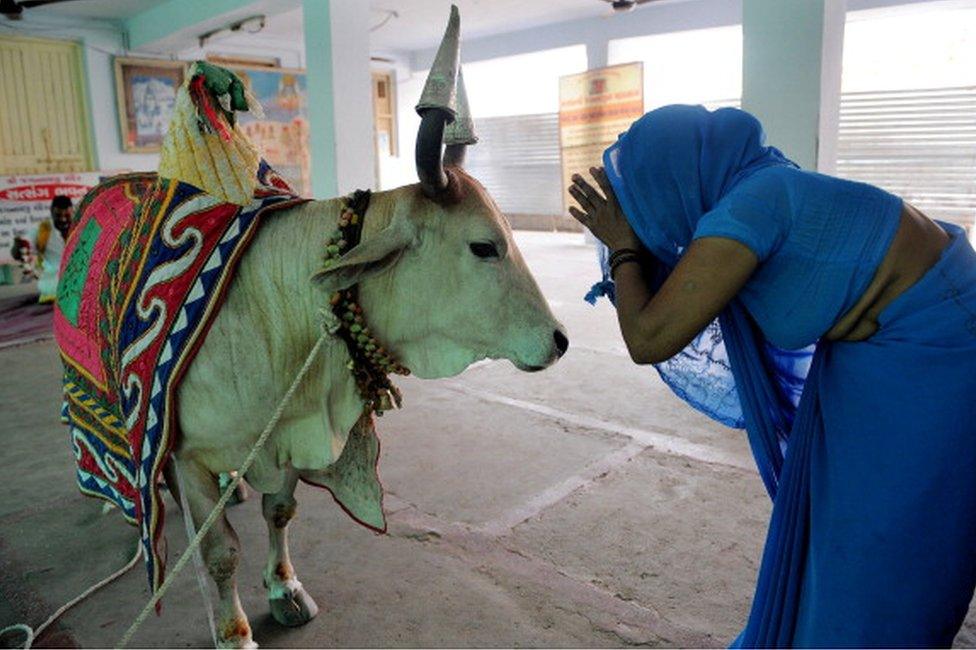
282,134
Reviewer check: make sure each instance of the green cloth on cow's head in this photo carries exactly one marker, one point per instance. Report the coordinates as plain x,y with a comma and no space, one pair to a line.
221,81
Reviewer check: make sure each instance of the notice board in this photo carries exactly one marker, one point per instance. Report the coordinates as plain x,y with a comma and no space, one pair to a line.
25,201
594,108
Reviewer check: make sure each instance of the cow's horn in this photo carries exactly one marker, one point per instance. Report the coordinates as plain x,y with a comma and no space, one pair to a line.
437,107
459,133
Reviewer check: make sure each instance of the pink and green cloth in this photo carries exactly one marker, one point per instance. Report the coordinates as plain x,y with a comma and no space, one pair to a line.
143,275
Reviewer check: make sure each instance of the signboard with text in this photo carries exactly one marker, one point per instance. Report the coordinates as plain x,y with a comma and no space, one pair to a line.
25,201
594,108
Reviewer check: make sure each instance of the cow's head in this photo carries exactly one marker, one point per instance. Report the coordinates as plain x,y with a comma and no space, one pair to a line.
441,280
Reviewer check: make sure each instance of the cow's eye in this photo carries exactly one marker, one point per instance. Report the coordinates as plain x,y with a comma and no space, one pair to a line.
484,249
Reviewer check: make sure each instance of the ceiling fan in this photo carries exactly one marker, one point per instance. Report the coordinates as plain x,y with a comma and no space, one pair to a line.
13,9
621,6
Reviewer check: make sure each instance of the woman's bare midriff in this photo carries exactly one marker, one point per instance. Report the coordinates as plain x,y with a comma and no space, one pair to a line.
916,248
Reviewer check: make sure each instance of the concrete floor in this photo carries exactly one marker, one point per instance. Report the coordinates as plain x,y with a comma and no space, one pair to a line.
580,507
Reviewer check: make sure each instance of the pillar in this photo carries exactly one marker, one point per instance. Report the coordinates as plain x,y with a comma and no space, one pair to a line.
791,58
340,107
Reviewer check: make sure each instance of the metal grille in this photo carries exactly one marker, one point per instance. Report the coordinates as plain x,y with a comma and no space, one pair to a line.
517,160
918,144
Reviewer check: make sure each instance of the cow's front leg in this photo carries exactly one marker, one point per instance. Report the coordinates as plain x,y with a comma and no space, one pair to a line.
221,552
290,603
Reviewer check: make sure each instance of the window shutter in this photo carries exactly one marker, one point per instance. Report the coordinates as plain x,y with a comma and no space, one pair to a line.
918,144
517,160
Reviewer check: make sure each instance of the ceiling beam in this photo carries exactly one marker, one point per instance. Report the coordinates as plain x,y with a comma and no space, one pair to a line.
174,25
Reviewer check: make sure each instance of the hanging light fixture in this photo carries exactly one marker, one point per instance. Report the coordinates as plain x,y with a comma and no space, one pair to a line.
250,25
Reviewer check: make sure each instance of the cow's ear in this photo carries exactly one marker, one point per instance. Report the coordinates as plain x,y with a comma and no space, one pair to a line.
369,257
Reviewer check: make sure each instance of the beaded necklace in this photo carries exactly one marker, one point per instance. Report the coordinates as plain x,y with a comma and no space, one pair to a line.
371,364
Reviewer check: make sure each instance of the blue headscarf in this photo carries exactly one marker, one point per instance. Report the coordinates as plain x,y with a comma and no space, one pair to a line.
670,168
676,163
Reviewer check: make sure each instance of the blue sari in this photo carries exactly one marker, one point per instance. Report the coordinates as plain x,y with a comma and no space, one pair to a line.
866,449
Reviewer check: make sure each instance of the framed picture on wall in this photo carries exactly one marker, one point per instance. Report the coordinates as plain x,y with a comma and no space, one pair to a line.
146,93
282,134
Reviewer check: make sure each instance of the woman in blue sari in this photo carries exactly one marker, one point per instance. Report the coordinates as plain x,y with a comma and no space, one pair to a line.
837,325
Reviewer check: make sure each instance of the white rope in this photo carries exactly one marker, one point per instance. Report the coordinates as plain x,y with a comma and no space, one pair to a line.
225,497
31,634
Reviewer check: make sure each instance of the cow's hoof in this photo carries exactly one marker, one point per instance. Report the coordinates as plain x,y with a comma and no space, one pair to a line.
294,608
235,633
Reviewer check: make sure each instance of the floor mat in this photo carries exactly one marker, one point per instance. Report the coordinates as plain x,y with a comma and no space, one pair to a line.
22,320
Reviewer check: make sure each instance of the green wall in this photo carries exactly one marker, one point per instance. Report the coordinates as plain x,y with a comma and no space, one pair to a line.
321,109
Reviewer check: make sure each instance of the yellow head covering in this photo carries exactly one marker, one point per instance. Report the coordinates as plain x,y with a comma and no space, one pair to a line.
204,146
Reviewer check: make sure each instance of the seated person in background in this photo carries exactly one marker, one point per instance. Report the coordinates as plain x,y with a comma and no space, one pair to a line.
42,250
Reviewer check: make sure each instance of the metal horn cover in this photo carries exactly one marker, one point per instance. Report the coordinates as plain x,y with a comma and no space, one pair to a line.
437,107
440,90
459,133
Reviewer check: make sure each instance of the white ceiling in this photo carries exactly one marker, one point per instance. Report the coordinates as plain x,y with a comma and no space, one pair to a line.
421,22
287,25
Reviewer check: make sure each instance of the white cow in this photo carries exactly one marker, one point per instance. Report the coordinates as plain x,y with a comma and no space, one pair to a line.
442,285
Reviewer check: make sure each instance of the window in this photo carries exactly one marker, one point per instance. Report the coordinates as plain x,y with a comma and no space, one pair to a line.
384,113
43,120
524,84
908,108
701,66
515,103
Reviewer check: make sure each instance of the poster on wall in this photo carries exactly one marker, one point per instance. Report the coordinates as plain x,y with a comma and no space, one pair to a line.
594,108
282,134
146,94
25,201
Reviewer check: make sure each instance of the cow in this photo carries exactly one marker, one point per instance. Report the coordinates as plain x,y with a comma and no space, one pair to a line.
442,285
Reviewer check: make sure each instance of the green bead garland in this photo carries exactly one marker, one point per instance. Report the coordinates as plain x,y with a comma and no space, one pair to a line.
370,363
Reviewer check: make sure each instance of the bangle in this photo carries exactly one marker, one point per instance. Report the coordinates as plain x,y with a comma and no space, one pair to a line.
622,259
619,253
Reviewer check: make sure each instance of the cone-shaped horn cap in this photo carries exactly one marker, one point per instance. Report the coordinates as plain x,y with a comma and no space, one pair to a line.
440,89
461,130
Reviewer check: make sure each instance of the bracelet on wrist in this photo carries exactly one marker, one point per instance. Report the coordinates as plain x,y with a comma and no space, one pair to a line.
621,260
614,255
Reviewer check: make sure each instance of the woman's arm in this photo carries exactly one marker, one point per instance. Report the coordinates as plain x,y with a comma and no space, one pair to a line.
655,327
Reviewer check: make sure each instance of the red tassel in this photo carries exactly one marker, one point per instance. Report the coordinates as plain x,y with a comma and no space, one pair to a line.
203,101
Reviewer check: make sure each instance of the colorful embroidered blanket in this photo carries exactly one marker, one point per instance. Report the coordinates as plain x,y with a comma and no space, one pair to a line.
144,272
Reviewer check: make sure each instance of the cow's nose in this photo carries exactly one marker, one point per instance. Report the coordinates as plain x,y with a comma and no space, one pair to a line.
562,343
